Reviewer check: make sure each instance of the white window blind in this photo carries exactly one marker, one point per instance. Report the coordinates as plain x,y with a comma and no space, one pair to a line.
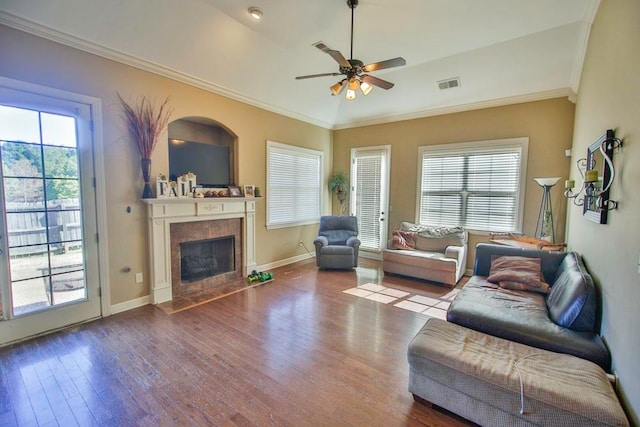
475,185
294,177
368,188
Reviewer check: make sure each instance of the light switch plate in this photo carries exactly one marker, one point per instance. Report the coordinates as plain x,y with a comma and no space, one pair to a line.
138,277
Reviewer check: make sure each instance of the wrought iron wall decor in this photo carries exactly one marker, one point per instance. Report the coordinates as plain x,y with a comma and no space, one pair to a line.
598,173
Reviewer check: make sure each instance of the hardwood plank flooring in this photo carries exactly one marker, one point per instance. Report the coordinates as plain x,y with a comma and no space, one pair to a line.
294,352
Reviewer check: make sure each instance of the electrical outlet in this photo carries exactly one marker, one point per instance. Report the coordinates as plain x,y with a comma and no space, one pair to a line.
138,277
300,243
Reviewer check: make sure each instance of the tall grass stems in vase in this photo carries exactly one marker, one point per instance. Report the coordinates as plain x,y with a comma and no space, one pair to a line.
145,123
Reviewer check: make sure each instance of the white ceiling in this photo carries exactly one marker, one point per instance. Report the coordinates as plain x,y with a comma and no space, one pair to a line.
503,51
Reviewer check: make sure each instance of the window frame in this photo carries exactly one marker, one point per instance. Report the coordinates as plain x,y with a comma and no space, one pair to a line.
476,147
303,152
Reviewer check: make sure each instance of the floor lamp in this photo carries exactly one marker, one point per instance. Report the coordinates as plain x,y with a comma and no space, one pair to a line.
544,225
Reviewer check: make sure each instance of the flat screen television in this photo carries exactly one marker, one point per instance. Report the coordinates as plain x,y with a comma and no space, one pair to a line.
210,163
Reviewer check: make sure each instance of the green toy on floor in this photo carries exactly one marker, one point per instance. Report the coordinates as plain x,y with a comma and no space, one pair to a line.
259,276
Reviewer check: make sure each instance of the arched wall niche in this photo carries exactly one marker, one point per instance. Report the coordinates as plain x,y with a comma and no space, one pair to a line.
202,144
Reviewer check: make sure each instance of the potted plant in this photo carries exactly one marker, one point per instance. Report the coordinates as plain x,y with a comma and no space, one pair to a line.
338,184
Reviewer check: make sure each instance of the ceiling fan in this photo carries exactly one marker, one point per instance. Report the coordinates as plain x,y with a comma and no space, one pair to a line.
354,69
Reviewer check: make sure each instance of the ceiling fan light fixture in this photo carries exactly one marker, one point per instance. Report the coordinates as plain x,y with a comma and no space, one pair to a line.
353,68
337,88
354,84
255,13
366,88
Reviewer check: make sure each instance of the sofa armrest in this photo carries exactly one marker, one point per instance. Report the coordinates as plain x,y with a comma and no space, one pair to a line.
455,252
459,253
320,241
354,242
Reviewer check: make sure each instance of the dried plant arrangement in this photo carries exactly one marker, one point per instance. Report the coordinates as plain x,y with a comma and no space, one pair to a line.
145,124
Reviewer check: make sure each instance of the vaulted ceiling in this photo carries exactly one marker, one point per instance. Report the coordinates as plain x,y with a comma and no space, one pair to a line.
502,51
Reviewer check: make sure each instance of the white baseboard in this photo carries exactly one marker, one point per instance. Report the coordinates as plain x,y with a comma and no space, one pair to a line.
131,304
283,262
370,255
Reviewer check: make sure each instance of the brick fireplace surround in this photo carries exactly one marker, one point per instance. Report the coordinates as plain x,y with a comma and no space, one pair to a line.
208,218
191,232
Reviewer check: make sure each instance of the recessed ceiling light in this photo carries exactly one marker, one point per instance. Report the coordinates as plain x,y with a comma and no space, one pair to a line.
255,13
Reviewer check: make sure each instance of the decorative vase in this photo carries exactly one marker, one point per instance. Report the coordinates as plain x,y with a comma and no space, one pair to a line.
145,164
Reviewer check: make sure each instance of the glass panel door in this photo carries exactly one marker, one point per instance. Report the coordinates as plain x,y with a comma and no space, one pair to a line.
369,195
42,209
49,262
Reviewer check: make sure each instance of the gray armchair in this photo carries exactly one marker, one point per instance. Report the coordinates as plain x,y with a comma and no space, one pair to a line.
337,243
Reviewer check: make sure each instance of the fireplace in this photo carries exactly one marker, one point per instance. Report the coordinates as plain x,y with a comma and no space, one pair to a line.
205,254
206,258
175,221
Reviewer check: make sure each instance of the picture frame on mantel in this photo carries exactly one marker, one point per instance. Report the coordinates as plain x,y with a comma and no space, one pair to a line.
234,191
249,191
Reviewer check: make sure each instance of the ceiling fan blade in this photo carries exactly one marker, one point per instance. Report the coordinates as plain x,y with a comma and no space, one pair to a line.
389,63
377,82
310,76
335,54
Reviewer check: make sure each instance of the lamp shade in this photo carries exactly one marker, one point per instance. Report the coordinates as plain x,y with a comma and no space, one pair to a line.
365,88
337,88
352,87
547,182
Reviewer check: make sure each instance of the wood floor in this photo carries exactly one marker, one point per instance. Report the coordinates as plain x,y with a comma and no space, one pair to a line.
295,352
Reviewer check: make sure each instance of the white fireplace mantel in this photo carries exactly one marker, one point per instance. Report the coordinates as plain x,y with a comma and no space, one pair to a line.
163,212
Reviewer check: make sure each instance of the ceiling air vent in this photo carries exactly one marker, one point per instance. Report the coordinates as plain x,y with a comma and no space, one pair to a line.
449,83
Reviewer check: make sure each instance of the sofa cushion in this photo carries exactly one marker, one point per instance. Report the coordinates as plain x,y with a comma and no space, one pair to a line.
572,302
518,273
550,261
522,317
338,229
403,240
435,238
337,237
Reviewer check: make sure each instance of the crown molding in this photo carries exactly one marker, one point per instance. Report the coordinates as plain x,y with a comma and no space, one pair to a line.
581,49
498,102
54,35
49,33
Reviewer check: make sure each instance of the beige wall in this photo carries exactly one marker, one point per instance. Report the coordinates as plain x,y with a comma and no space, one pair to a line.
609,97
35,60
548,124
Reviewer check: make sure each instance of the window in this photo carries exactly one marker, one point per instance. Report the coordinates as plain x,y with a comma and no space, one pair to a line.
294,177
477,185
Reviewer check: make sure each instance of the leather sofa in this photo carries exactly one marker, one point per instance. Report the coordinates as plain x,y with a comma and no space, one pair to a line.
437,254
564,321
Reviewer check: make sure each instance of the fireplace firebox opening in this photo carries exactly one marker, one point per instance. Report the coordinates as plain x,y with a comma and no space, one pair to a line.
206,258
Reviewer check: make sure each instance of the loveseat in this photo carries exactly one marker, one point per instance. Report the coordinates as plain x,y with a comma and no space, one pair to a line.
431,253
564,320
